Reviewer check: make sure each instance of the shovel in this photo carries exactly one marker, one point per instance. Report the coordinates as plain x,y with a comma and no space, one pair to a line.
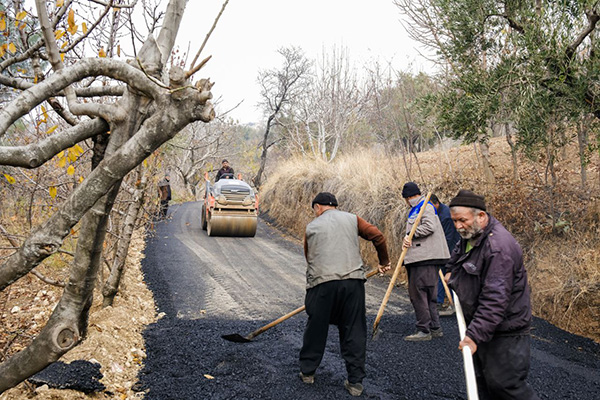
237,338
397,270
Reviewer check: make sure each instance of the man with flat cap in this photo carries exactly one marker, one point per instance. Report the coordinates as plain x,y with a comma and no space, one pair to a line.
335,288
487,273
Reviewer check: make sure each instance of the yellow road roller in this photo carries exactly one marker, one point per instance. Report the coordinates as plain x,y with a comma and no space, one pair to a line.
230,207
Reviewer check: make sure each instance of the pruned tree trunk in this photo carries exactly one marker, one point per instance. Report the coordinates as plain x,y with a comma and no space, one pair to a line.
582,141
263,155
485,161
513,152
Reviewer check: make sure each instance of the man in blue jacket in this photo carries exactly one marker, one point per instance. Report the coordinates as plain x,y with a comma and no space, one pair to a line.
490,280
452,237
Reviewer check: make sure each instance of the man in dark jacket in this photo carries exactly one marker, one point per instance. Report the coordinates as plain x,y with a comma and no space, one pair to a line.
426,252
225,169
164,191
335,288
486,271
452,237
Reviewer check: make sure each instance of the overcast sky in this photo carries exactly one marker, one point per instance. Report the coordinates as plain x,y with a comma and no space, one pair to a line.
250,32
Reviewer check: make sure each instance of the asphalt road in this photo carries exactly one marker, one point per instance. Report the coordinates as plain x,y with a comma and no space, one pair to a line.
210,286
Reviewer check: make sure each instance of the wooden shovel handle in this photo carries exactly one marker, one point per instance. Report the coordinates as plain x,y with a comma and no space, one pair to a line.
289,315
446,288
400,261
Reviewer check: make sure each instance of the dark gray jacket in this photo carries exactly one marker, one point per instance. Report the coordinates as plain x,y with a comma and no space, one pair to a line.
491,284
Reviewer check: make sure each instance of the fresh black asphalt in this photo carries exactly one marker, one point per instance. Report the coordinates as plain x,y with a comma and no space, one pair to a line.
188,359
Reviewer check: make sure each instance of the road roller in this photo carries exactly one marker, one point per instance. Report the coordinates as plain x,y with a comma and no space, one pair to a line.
230,207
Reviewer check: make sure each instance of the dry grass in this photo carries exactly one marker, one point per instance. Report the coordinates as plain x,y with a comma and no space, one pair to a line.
561,259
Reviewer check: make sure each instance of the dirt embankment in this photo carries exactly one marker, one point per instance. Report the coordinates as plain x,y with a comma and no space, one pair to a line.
557,226
114,336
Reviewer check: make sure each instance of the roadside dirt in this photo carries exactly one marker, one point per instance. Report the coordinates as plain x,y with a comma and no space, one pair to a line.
114,337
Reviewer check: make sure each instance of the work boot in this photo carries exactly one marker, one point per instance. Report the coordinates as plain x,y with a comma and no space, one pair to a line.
418,337
447,312
437,332
308,379
355,389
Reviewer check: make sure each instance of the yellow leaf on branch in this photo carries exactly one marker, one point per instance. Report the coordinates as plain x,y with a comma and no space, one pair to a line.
62,162
10,179
72,155
58,34
62,57
70,170
2,50
78,150
12,48
52,191
2,24
101,52
21,15
73,29
71,18
52,129
59,3
84,27
80,179
61,154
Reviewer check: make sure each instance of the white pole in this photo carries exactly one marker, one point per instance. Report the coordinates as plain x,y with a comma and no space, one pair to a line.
466,351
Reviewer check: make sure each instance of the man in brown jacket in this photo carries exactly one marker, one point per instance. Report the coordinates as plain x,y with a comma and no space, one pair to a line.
426,251
335,288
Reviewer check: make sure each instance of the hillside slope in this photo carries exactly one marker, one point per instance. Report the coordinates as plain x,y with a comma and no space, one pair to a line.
557,226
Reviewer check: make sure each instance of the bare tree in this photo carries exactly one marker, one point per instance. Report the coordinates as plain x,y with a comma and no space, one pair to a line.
151,107
322,118
278,88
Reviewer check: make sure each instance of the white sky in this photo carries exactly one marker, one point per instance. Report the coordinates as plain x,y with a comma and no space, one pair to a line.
250,32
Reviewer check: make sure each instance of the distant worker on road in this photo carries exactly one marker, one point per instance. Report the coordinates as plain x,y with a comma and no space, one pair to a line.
452,238
164,192
490,280
335,290
225,169
426,252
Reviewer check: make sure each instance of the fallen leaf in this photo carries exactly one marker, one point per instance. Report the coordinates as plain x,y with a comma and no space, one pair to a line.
207,376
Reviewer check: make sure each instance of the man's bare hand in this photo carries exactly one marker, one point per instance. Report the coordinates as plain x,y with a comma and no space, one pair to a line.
467,341
384,268
406,242
447,277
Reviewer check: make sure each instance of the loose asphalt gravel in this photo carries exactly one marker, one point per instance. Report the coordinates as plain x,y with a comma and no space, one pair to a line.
207,287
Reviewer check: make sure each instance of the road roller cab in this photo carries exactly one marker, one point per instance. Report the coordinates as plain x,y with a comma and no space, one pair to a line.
230,208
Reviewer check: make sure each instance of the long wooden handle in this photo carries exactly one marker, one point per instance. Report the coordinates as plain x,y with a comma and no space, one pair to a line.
400,261
446,288
466,352
289,315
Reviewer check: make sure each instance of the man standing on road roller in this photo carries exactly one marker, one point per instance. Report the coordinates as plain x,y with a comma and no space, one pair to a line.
335,291
489,278
225,169
426,252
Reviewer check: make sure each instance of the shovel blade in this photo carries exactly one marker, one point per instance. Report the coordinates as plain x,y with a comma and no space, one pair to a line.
236,338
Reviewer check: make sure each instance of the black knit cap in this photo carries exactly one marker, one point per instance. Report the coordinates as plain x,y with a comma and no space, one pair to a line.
466,198
325,199
410,189
224,160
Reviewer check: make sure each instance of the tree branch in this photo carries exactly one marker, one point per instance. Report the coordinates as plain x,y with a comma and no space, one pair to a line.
35,154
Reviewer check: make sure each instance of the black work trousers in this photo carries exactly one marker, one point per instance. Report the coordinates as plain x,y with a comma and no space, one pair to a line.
502,366
341,303
422,290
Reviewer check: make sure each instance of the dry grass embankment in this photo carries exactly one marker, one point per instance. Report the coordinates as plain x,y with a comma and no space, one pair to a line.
561,255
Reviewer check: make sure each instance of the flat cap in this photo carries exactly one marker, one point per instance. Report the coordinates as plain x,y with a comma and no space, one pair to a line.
466,198
325,199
